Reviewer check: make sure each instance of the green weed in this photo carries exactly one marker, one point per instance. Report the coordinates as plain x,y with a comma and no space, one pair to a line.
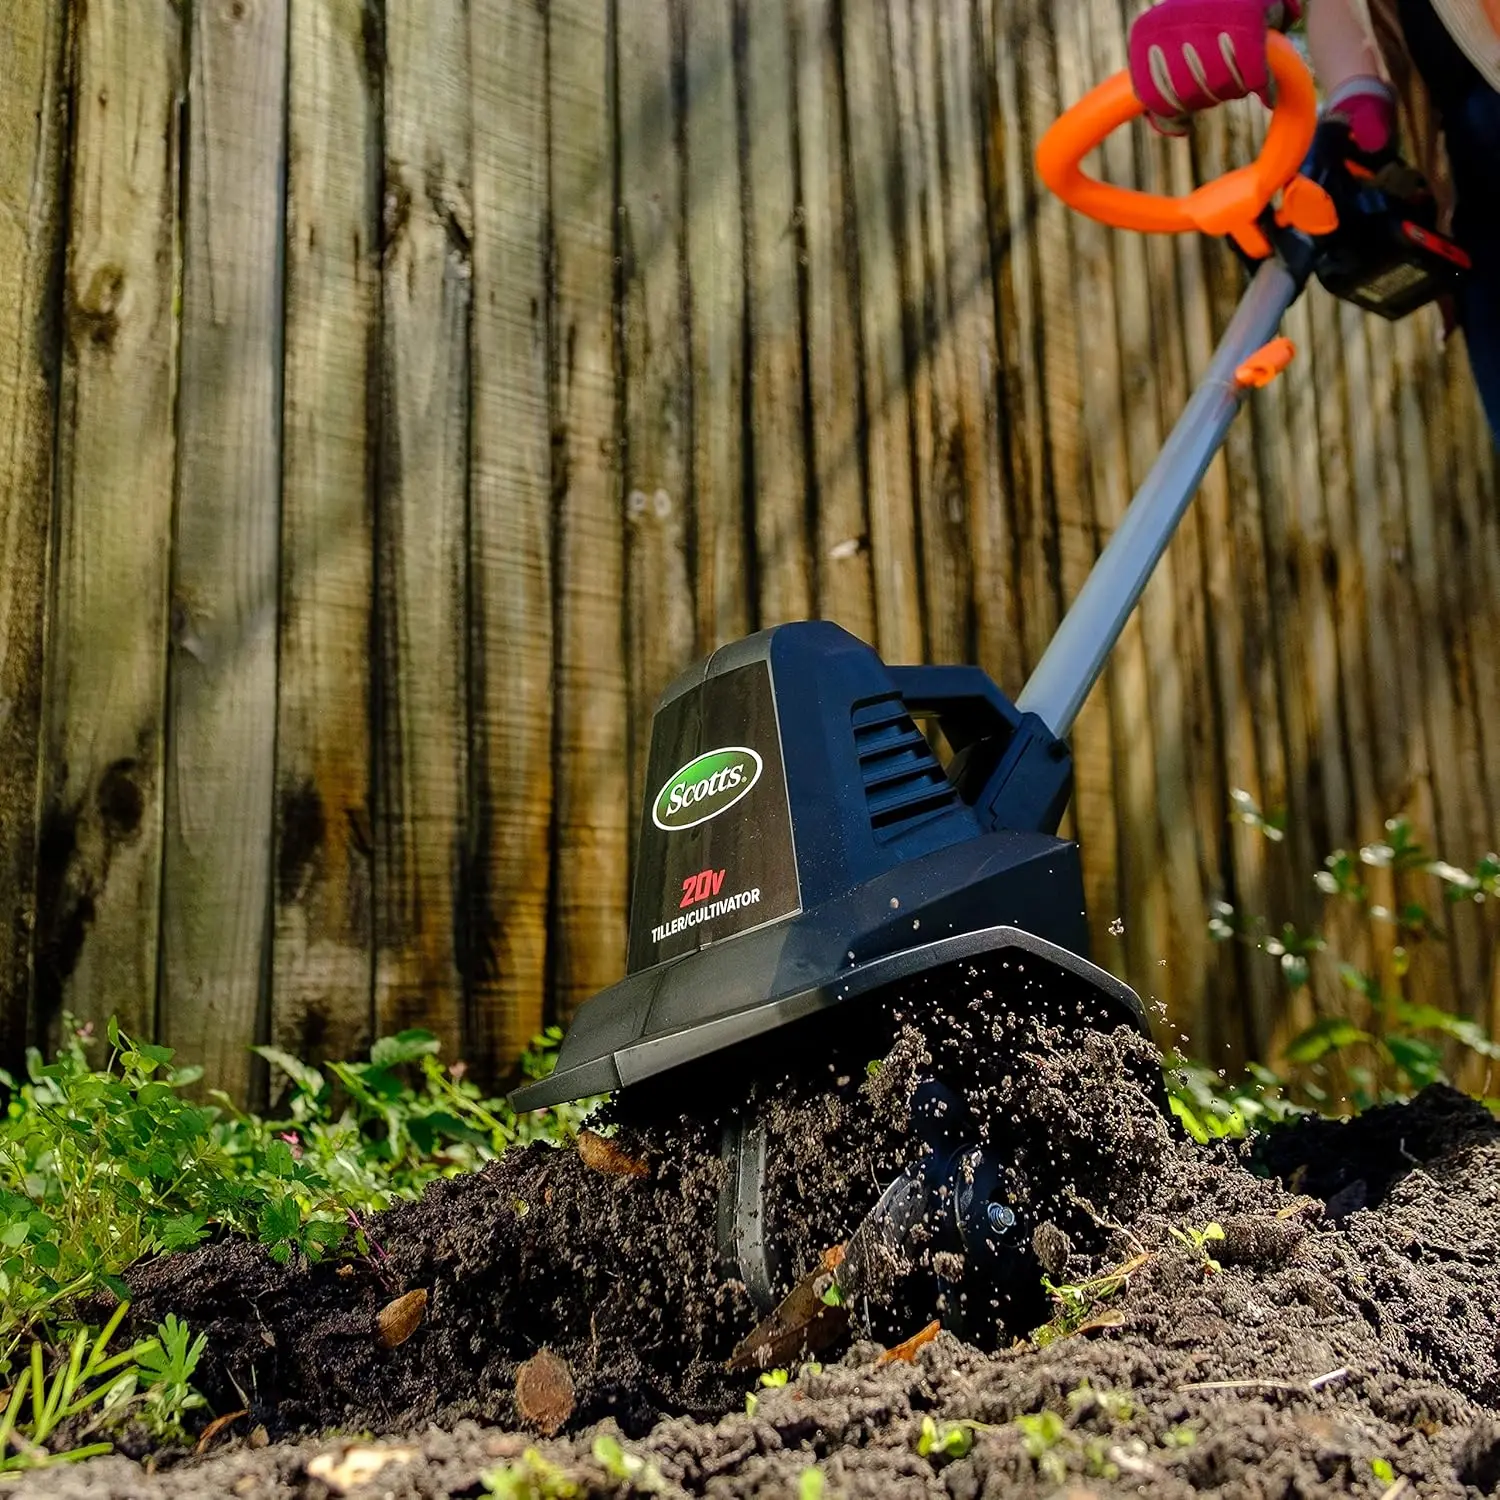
103,1164
628,1468
811,1484
1384,1043
1042,1433
948,1439
1199,1240
149,1382
531,1478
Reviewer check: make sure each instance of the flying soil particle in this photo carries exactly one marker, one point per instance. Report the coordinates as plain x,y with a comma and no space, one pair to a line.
1319,1351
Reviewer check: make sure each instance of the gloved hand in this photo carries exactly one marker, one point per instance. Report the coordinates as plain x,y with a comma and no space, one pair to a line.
1368,107
1188,55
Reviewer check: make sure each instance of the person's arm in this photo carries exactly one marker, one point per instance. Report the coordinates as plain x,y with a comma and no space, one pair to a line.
1350,72
1338,44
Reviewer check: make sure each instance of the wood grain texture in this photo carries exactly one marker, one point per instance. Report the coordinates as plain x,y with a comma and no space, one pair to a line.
322,969
1435,806
1020,53
511,591
1343,584
222,727
1440,561
1400,751
100,864
1003,167
590,840
722,552
655,370
845,590
931,332
32,120
875,187
778,457
421,525
977,464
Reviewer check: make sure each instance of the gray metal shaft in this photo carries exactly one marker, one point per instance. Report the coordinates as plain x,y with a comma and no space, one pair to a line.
1076,655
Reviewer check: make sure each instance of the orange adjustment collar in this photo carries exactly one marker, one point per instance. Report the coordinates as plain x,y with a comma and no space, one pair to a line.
1265,364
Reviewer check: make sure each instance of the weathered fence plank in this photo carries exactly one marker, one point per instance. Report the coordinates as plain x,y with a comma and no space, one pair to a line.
655,355
874,189
1365,651
1333,359
778,467
1016,51
322,970
1005,167
845,591
716,274
978,459
1425,698
32,125
1442,607
1073,534
511,692
421,564
934,332
107,638
222,717
590,879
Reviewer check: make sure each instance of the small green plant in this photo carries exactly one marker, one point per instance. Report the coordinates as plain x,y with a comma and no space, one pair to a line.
1211,1106
1389,1045
1383,1470
1042,1434
532,1477
1115,1406
1179,1437
167,1364
811,1484
1198,1240
628,1468
148,1380
1077,1302
947,1439
103,1165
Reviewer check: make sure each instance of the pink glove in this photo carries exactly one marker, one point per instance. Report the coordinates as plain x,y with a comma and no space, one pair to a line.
1188,55
1368,107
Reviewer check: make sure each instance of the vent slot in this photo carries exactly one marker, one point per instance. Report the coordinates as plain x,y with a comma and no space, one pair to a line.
904,781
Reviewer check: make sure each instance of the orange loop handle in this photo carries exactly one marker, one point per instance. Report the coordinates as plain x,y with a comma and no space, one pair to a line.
1228,205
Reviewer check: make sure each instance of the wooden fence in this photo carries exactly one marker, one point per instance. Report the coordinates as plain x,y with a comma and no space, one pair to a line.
396,393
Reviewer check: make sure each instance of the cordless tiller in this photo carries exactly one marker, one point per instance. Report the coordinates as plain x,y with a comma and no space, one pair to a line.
805,855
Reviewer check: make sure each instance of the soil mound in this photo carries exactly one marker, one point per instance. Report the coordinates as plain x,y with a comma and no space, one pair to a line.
1338,1332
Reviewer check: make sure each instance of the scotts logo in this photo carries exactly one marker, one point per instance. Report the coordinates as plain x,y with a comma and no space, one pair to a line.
706,786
